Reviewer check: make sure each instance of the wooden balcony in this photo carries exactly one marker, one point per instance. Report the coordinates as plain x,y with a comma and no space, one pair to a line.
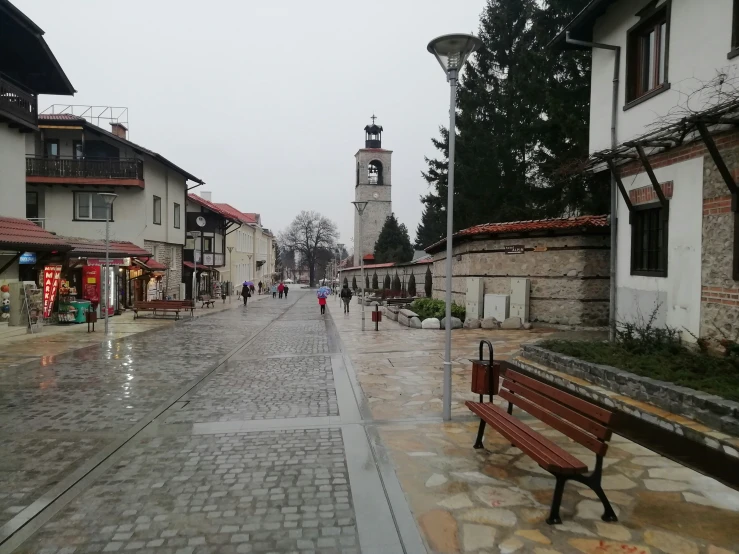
18,106
91,171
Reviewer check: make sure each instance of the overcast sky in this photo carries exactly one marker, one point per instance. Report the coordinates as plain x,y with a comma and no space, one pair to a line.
266,101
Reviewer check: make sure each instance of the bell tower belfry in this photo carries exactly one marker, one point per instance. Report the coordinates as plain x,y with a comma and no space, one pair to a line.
373,185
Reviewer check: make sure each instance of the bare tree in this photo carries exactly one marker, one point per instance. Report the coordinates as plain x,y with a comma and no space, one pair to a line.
309,233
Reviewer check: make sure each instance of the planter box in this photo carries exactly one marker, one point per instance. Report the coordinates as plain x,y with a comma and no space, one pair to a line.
404,317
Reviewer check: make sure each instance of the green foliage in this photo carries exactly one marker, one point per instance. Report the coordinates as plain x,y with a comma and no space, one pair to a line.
393,244
346,282
375,284
428,282
520,139
386,282
412,285
396,282
430,307
366,282
354,283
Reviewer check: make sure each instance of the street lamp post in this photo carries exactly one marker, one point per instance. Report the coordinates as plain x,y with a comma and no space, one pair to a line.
230,271
194,235
339,250
451,51
108,198
360,206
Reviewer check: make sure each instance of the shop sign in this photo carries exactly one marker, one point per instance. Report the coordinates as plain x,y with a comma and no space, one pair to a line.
52,275
101,261
27,258
207,259
540,249
514,249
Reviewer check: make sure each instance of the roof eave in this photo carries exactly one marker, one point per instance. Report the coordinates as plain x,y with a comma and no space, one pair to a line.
581,26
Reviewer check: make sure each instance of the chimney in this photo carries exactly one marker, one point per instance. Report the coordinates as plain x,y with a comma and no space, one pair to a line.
205,195
118,129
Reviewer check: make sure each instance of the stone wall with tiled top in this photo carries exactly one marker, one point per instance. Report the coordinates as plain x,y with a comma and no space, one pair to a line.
719,291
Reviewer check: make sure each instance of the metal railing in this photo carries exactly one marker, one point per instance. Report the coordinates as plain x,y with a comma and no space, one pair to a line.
17,102
102,168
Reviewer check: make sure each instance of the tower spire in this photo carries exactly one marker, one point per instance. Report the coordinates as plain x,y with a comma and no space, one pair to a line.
373,118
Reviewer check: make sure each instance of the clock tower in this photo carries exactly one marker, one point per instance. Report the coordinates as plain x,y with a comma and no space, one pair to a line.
373,185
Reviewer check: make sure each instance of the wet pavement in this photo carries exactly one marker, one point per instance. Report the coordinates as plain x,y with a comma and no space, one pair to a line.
274,429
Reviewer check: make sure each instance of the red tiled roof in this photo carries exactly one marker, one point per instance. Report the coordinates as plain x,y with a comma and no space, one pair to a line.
210,205
369,266
151,263
240,216
369,257
21,234
59,117
96,248
559,224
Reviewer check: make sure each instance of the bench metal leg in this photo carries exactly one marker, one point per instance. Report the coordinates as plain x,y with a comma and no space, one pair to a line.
559,488
480,433
592,481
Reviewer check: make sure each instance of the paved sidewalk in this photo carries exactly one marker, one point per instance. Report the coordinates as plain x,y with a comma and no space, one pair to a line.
496,500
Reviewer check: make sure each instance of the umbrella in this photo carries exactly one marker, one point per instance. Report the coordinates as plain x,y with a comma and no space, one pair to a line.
248,284
323,292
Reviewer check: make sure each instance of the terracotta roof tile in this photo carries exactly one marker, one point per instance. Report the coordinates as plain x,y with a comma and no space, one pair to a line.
59,117
241,216
96,248
558,224
210,205
21,234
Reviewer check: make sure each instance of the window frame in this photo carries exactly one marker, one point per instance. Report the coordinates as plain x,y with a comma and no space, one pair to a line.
75,207
734,52
74,150
209,241
156,220
38,211
651,19
176,216
47,142
636,243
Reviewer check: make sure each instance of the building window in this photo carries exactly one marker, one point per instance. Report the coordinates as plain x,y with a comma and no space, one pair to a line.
208,244
649,242
77,151
32,210
157,210
51,148
648,49
89,206
176,215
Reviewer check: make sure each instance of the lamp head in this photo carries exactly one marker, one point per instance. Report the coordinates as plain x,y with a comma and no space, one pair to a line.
108,197
452,51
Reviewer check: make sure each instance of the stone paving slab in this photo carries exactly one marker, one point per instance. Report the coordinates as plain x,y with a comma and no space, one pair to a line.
229,493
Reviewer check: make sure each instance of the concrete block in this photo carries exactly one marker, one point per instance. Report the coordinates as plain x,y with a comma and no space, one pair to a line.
431,323
405,316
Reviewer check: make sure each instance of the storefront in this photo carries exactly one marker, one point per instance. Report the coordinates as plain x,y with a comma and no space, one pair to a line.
207,279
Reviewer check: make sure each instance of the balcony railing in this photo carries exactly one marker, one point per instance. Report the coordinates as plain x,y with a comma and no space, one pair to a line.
18,103
100,168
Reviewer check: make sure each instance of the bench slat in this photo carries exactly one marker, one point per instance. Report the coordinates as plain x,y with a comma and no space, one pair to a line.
547,454
591,410
581,421
565,427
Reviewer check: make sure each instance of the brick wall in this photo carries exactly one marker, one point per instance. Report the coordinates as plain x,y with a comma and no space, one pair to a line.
644,195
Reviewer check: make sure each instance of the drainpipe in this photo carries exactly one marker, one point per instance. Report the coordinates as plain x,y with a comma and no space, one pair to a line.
612,316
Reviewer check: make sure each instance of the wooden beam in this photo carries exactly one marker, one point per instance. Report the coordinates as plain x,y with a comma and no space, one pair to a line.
650,172
12,260
717,158
620,185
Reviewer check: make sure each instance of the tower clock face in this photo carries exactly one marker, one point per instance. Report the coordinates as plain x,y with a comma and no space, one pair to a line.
375,196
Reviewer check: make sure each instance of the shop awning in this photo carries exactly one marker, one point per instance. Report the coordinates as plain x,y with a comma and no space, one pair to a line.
95,248
150,264
22,235
190,265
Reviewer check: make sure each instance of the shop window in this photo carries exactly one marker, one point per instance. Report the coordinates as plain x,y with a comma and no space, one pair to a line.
176,215
157,210
89,206
647,54
649,241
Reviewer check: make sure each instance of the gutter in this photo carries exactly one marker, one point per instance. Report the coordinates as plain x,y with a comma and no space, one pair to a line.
612,315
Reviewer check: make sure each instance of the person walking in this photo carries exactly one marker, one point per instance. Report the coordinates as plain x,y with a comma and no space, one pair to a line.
322,304
274,291
286,289
346,297
260,287
245,293
280,289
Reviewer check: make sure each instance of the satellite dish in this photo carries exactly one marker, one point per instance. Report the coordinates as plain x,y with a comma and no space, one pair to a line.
200,221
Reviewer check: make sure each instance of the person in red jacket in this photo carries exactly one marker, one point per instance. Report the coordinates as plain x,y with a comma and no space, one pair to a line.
280,289
322,303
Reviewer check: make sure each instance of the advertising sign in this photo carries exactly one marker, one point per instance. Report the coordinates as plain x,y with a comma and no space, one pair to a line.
27,258
514,249
52,275
91,283
101,261
207,259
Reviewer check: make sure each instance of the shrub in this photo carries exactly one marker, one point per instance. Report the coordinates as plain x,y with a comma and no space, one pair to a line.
427,283
412,285
396,282
386,282
354,283
374,281
366,282
431,307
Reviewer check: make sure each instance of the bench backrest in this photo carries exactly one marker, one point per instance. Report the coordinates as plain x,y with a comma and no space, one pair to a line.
205,297
159,303
583,422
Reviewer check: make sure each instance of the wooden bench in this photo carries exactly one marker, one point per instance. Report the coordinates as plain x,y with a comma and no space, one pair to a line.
583,422
207,301
163,306
398,301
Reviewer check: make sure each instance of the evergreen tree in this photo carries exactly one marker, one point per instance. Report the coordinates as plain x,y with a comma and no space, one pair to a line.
393,244
396,281
412,285
428,283
354,283
366,282
522,115
346,282
433,221
375,284
386,282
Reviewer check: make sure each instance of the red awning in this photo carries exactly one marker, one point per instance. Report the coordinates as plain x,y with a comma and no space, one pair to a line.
200,266
151,263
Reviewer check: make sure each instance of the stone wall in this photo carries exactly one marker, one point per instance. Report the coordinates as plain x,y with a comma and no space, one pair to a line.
171,256
569,275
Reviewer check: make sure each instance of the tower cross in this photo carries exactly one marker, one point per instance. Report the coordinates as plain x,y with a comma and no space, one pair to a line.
373,118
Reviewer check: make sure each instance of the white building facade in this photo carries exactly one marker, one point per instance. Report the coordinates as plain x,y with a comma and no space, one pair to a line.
676,255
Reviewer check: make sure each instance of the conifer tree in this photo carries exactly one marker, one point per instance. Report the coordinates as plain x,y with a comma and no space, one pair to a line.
366,282
393,244
354,283
412,285
346,282
427,285
396,281
386,282
375,285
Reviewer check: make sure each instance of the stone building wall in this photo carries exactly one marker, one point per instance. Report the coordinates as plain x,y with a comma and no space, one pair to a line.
569,275
171,256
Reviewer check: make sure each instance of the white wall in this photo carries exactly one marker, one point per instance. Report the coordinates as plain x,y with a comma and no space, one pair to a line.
700,39
680,292
171,188
12,172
